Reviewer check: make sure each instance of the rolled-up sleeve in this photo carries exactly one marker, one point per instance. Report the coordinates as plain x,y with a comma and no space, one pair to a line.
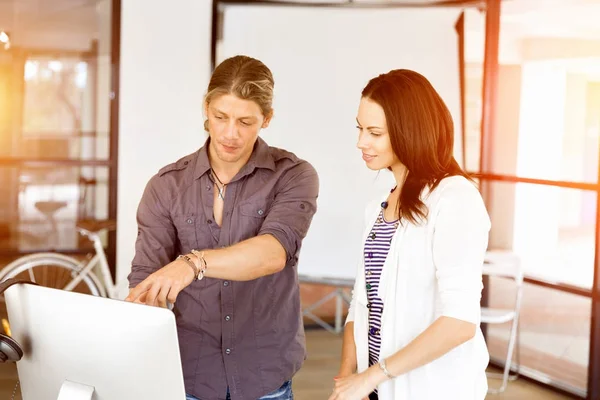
293,208
460,241
352,306
156,238
374,204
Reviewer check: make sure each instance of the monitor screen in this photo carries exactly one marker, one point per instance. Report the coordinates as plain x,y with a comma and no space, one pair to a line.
75,342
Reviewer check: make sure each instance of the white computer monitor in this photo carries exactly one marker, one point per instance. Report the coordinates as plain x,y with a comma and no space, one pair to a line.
73,342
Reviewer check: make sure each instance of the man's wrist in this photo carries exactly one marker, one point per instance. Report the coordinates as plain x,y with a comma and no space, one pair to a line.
187,260
200,262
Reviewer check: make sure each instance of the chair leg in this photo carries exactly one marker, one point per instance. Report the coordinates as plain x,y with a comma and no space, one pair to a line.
507,364
515,376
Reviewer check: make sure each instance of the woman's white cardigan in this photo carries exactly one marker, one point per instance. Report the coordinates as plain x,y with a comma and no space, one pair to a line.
432,270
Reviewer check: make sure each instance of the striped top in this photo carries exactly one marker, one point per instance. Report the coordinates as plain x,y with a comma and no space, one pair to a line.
376,250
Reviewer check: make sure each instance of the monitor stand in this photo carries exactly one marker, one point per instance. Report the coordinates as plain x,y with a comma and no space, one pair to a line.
75,391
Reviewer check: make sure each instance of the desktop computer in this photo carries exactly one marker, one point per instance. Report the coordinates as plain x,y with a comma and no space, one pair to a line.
83,347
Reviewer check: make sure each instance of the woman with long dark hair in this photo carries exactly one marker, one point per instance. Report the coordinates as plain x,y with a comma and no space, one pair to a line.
413,326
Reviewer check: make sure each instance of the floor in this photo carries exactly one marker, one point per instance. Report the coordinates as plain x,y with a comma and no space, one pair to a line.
314,381
554,331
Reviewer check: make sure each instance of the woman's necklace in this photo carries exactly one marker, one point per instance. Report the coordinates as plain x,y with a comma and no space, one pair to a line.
384,205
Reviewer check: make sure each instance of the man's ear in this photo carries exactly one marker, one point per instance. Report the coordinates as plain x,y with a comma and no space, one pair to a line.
267,120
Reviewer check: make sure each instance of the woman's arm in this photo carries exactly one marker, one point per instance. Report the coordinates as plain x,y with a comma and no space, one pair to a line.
459,243
438,339
348,364
349,361
460,240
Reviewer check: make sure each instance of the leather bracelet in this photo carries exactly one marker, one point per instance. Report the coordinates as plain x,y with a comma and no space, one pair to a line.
384,369
201,270
197,261
189,262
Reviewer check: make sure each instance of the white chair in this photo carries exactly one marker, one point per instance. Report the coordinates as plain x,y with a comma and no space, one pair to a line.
504,264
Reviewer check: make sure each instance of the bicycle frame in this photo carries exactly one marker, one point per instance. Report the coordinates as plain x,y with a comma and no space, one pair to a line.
99,259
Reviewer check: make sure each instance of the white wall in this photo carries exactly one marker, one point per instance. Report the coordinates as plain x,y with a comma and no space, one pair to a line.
320,68
165,70
165,67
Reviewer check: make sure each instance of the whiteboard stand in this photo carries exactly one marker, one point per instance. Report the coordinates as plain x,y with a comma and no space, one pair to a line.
339,294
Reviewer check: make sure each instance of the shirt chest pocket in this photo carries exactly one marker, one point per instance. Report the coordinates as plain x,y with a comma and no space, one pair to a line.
186,232
251,217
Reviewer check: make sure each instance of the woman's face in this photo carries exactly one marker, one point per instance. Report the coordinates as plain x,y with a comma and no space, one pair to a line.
233,126
373,137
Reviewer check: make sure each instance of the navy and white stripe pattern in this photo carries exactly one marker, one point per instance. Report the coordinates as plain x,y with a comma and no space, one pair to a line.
376,250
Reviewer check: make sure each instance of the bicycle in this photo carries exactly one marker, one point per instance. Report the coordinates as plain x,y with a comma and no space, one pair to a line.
51,269
46,268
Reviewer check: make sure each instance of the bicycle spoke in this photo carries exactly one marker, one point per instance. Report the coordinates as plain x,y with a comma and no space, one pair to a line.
55,272
31,275
77,277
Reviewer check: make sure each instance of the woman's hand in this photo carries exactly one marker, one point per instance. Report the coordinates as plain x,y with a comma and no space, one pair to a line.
343,372
356,386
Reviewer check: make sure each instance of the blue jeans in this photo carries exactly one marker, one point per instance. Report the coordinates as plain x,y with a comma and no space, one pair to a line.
283,393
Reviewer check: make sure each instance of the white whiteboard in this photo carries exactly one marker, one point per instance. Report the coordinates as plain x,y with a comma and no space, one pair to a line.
321,59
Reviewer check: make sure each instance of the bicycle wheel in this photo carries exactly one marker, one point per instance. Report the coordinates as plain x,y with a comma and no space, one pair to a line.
52,270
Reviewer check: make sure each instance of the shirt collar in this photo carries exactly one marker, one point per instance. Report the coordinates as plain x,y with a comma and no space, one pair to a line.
261,158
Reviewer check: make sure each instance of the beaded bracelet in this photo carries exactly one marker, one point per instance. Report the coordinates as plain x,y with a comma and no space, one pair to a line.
200,256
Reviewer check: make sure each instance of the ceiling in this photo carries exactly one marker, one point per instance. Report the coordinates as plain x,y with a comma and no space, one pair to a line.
552,18
74,23
68,24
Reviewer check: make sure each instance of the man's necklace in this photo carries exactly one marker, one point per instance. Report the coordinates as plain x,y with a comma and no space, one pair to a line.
220,188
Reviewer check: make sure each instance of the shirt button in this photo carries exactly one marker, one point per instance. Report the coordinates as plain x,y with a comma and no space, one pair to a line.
209,221
227,351
207,187
302,206
227,318
374,331
226,283
189,221
260,212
